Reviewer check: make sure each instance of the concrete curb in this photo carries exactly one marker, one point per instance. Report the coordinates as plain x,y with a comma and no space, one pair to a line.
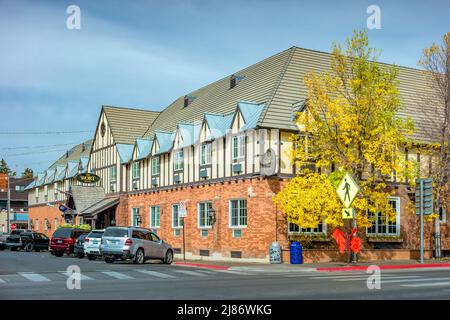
201,265
388,267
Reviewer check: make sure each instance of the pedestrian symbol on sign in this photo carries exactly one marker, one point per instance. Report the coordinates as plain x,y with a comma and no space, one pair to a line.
347,190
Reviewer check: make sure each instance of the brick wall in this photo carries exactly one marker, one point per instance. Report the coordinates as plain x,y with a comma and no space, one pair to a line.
40,213
264,223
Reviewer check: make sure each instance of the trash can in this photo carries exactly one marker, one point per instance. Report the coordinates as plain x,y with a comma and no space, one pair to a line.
275,253
296,253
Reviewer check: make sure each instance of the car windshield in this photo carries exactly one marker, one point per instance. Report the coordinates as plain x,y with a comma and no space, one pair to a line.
62,233
116,232
95,234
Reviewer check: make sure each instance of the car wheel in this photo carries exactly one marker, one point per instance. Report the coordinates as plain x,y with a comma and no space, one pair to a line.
109,260
2,247
80,255
29,247
37,249
91,257
139,257
59,253
13,249
168,258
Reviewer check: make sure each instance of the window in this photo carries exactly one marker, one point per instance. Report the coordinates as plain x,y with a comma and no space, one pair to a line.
45,193
238,147
155,217
178,160
442,215
113,174
135,217
177,221
205,154
295,229
20,188
381,225
155,165
37,195
238,213
204,217
136,170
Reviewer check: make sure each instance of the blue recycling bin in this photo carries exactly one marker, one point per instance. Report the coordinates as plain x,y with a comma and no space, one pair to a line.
296,253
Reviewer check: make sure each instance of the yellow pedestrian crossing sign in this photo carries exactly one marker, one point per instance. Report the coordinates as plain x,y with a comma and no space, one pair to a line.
348,213
347,190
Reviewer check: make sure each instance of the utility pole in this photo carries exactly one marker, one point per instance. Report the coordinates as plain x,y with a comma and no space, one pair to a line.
8,204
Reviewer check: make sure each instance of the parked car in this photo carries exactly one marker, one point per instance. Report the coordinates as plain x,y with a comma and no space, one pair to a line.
92,244
30,241
134,243
78,248
3,236
63,240
13,240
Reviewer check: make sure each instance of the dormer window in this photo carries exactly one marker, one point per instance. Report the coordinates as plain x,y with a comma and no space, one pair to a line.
234,80
188,100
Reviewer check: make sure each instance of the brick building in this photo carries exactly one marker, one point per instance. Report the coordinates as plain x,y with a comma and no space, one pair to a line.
219,154
18,201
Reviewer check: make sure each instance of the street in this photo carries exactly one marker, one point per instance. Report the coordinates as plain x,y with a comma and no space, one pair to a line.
26,275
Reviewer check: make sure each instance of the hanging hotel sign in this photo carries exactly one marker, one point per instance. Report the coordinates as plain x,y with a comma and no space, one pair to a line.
87,178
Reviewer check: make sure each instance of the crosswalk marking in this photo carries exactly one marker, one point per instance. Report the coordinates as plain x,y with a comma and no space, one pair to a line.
233,272
191,273
383,279
156,274
82,276
206,271
416,280
428,284
117,275
35,277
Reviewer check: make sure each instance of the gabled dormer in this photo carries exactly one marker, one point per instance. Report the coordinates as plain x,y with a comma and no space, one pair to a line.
217,125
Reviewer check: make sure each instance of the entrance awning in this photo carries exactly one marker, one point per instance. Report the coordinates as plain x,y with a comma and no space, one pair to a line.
102,205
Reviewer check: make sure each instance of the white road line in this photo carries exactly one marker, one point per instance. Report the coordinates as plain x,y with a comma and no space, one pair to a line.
428,284
205,271
415,280
383,279
35,277
327,275
117,275
2,281
82,276
191,273
234,272
156,274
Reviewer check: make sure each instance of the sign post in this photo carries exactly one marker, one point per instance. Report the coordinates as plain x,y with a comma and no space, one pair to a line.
347,191
424,204
182,213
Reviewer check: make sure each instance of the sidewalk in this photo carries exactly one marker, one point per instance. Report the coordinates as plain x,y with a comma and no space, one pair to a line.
316,267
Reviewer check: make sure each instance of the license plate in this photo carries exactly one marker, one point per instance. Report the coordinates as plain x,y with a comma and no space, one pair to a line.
59,241
94,242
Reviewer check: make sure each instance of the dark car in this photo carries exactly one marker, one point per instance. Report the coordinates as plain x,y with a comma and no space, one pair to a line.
64,239
13,240
3,236
34,241
78,249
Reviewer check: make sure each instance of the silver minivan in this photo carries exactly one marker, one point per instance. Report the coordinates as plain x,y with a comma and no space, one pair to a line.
134,243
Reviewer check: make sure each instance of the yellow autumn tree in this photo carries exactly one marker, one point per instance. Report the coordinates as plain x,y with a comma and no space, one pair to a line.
349,124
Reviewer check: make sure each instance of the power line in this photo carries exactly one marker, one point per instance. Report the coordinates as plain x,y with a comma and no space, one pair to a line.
44,132
28,153
35,147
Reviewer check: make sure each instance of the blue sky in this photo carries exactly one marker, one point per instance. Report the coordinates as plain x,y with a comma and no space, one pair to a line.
147,53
